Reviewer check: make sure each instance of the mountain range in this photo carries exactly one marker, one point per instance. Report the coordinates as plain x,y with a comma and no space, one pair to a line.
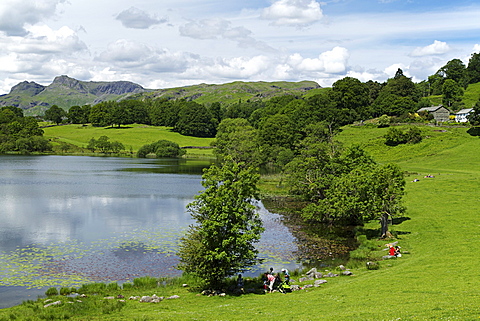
66,92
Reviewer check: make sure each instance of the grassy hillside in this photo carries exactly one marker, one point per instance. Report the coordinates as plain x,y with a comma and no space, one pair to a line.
437,280
471,95
132,137
233,92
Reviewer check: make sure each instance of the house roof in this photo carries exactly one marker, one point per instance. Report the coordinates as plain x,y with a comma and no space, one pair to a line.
430,109
464,111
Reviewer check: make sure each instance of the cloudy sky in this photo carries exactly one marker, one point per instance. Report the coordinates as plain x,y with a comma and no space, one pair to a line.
169,43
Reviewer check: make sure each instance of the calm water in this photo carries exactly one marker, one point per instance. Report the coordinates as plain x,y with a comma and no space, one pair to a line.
65,221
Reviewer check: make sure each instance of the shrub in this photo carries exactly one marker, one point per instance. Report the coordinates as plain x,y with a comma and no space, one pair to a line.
395,136
161,148
51,292
67,291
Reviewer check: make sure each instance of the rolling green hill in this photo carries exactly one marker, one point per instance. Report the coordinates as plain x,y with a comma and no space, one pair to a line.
233,92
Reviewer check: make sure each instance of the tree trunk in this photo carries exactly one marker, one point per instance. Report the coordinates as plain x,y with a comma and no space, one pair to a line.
384,226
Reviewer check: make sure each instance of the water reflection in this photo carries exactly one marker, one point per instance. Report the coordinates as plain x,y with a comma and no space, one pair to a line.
103,219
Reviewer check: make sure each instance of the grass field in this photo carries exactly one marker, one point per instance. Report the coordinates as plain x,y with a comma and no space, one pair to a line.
132,136
437,280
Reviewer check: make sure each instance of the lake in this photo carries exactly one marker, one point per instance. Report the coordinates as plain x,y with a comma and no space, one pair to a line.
69,220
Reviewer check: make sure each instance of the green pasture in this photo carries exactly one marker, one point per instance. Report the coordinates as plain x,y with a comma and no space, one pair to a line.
132,136
437,277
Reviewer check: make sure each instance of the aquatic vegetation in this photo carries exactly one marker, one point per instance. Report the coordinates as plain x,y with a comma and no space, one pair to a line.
122,258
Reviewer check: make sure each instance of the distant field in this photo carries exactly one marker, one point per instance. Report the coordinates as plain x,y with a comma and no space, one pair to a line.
131,136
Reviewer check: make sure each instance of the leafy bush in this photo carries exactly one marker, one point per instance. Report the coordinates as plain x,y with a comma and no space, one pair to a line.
161,148
104,145
51,292
67,291
395,136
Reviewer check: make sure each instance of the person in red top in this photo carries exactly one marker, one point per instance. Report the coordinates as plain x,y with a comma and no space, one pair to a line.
271,280
391,251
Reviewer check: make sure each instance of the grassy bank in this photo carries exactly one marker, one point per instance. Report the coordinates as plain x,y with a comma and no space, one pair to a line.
437,280
132,137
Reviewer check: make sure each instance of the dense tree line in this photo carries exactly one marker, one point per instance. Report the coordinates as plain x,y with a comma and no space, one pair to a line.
187,118
19,133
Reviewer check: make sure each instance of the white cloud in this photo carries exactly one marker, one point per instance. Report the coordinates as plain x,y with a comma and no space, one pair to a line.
221,29
392,70
293,12
143,58
365,76
330,62
436,48
239,67
139,19
205,29
41,39
40,52
15,14
476,48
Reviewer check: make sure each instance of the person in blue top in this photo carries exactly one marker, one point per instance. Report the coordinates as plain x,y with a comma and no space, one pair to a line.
286,275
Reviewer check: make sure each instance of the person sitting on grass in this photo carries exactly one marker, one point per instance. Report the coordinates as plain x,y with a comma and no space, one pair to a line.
240,283
271,281
286,274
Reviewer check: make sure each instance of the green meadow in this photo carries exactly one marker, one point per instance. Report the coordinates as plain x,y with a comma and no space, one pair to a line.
132,137
437,278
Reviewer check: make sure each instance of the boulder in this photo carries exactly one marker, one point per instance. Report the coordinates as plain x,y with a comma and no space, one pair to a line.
146,299
308,278
295,287
53,303
317,283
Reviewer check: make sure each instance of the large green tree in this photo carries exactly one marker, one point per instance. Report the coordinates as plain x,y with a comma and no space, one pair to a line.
452,93
455,69
344,186
195,120
238,139
473,69
221,243
350,93
55,114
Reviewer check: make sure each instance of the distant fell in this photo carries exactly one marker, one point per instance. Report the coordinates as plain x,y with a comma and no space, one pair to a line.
232,92
66,92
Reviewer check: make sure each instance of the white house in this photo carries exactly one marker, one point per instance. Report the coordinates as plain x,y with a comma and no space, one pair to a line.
461,116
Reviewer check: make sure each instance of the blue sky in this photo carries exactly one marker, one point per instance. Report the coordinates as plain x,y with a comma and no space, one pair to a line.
168,43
